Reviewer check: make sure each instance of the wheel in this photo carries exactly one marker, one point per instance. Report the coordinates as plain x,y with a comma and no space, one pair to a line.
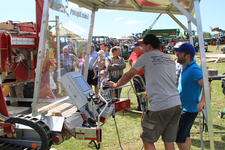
213,42
220,114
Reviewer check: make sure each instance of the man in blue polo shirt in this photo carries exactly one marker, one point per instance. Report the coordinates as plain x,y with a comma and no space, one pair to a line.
190,85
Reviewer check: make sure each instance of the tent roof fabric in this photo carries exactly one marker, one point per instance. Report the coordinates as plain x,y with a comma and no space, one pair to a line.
64,31
154,6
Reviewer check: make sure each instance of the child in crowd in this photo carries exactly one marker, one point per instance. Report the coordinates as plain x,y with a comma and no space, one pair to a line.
103,79
96,64
80,64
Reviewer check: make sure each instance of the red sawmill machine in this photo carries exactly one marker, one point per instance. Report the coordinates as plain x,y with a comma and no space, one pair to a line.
38,123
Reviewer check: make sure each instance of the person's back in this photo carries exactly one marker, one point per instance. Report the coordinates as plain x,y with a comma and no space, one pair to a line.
161,72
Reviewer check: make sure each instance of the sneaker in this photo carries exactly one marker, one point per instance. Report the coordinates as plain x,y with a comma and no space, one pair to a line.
95,77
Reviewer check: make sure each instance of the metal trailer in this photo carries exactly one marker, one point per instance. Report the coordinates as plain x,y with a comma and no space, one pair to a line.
165,33
188,8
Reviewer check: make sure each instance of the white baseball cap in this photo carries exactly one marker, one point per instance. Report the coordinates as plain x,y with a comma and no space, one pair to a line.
102,72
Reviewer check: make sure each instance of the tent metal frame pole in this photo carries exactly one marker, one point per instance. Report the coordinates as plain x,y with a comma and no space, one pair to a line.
190,35
184,11
40,57
89,44
178,22
58,52
197,22
150,28
205,73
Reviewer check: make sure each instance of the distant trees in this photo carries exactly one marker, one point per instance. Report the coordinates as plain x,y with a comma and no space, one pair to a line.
207,35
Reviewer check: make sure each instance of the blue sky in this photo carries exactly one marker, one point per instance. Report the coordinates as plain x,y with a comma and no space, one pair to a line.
120,23
124,23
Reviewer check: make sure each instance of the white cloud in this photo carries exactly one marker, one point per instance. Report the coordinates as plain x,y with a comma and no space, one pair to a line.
132,22
120,18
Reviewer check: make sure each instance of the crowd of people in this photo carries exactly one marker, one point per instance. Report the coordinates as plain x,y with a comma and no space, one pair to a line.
173,86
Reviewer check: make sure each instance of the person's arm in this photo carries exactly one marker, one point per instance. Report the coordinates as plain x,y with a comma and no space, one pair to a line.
130,63
53,67
95,62
102,62
120,66
108,64
74,49
201,104
124,79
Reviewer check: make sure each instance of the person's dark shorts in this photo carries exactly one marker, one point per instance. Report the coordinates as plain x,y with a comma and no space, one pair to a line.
90,79
186,121
163,122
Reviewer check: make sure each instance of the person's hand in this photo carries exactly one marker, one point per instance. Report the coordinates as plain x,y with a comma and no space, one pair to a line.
110,84
200,106
93,65
115,65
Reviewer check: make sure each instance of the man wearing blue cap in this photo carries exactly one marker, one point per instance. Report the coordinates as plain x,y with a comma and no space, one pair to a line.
190,85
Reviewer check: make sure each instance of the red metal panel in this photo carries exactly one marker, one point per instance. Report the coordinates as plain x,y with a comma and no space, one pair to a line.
21,72
122,104
5,47
146,3
4,111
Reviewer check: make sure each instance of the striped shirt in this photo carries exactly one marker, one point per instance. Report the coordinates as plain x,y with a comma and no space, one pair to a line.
115,66
67,62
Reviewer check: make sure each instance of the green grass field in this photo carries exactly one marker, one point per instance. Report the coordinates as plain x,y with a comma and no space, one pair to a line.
129,123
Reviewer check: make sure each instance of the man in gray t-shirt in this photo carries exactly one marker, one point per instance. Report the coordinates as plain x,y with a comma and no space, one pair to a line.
164,111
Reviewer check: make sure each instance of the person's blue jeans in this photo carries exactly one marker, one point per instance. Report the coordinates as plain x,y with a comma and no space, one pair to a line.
186,121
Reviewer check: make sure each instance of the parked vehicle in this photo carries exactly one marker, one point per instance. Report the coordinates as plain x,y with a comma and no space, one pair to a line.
97,40
196,46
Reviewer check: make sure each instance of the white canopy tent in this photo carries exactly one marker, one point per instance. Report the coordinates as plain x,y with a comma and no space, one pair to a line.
189,8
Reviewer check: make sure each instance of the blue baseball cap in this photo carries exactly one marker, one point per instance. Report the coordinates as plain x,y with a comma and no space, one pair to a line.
187,48
135,44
